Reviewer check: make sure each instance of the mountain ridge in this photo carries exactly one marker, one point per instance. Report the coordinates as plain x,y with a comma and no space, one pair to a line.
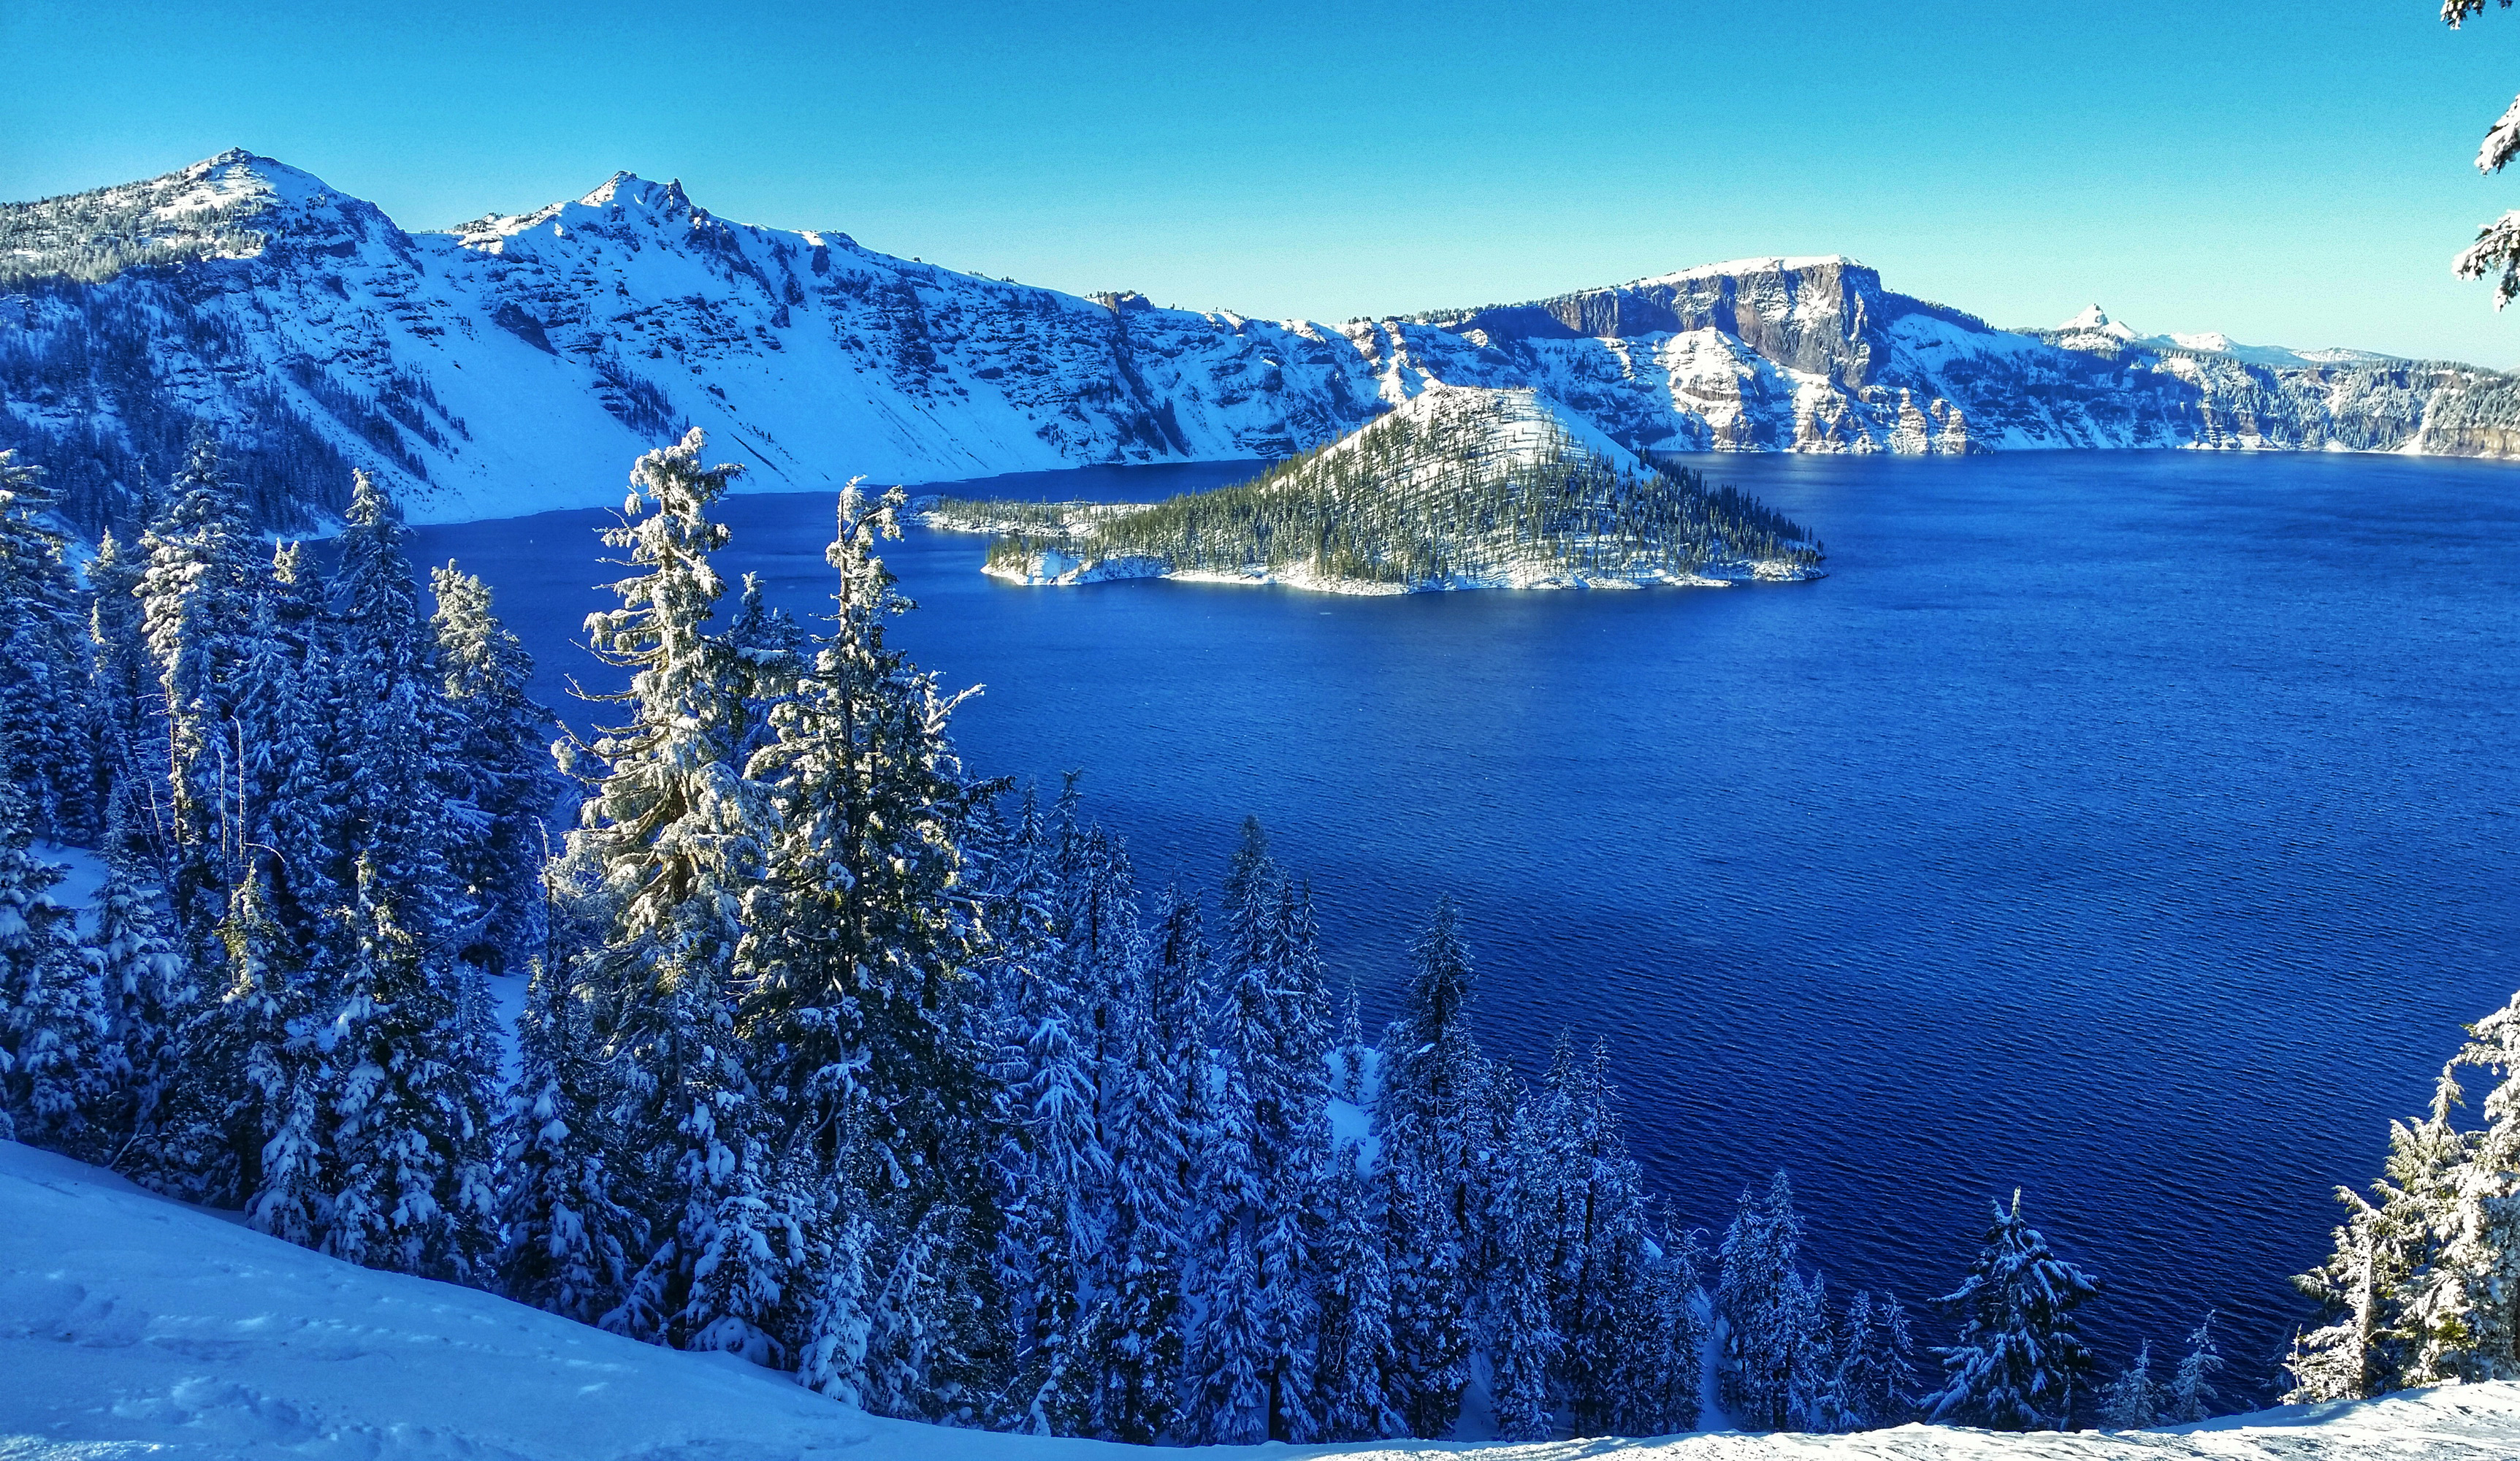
515,362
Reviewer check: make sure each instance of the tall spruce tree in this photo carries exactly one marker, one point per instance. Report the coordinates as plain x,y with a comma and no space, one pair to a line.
854,970
566,1238
2018,1364
1762,1303
1432,1109
53,1090
145,989
2380,1335
501,763
669,838
43,662
196,596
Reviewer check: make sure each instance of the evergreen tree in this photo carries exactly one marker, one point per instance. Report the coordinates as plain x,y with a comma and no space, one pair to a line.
145,990
2192,1390
270,1019
1354,1346
1430,1108
412,1140
127,702
1875,1383
1232,1403
1763,1307
2380,1336
566,1237
43,662
52,1068
196,598
1430,1317
503,765
669,838
1522,1342
2468,1308
2132,1401
2018,1361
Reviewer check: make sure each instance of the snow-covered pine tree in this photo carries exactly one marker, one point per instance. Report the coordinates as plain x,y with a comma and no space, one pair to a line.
1140,1346
502,759
397,740
669,838
1600,1287
770,656
1875,1383
565,1236
196,598
1670,1344
2497,250
1353,1342
1229,1405
1354,1056
126,701
919,1364
1432,1099
855,967
2133,1400
2468,1308
287,817
2017,1365
269,1019
2192,1388
2374,1340
145,990
411,1139
1430,1329
53,1088
1759,1308
1521,1339
43,662
1230,1349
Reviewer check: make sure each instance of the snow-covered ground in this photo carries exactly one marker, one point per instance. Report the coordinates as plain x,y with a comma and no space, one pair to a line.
131,1326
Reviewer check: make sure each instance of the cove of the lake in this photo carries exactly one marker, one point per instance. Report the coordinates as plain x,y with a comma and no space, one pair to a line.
2136,829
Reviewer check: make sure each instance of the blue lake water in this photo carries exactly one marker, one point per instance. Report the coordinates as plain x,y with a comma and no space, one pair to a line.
2135,829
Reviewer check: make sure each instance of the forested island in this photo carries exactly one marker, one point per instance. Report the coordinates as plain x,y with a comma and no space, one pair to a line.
1459,487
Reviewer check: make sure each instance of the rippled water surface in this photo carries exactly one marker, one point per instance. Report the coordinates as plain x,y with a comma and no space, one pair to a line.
2133,829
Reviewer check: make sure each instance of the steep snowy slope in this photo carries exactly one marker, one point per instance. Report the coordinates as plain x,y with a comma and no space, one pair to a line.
131,1326
516,362
1460,486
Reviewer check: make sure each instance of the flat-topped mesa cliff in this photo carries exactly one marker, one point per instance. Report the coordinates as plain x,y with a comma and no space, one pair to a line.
1459,487
513,363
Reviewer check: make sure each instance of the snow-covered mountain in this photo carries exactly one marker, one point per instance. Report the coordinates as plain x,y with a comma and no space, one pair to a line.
516,362
1458,487
134,1326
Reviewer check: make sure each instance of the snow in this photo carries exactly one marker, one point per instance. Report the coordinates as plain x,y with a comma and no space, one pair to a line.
1734,267
504,356
133,1326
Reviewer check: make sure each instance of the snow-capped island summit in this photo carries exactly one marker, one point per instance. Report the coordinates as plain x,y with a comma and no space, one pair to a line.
1458,487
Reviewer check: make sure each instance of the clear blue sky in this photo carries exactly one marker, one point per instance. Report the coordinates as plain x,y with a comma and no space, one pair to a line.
2288,173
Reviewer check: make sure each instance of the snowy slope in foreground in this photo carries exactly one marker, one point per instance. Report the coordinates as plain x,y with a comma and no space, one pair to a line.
132,1326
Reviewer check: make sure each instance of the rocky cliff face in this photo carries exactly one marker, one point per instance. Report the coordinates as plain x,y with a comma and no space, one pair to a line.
517,362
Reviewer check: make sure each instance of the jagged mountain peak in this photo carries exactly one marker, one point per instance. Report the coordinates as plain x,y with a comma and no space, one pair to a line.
2093,320
628,190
